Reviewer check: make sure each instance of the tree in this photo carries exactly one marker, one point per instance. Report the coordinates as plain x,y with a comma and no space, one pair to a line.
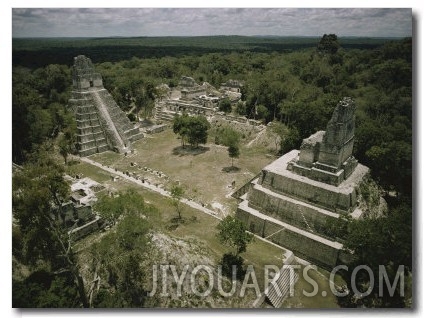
277,131
145,98
192,129
233,152
230,138
177,192
42,289
224,105
111,208
380,241
40,123
181,127
290,141
328,44
261,111
38,112
241,108
197,132
64,149
67,142
232,232
119,257
39,191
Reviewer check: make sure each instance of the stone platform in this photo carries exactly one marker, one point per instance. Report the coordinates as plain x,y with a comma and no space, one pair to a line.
341,198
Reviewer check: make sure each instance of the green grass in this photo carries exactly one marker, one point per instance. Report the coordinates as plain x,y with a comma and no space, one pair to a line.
88,170
200,172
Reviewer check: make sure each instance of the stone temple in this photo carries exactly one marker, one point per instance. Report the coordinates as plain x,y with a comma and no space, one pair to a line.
295,197
101,124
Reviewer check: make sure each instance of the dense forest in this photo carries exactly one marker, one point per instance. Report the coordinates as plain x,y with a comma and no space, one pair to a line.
296,83
36,52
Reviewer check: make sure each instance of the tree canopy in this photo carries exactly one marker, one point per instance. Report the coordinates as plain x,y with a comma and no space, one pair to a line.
192,129
232,232
121,256
377,242
328,44
39,191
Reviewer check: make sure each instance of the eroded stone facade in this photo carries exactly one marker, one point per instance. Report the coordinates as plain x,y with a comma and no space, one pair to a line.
327,155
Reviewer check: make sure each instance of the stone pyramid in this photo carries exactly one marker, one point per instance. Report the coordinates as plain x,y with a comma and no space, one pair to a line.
101,124
294,197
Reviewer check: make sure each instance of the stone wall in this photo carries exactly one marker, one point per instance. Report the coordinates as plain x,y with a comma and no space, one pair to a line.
320,196
87,228
338,141
289,210
305,245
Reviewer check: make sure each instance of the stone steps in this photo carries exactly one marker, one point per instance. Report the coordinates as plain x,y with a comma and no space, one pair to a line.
165,116
122,123
90,137
285,280
115,135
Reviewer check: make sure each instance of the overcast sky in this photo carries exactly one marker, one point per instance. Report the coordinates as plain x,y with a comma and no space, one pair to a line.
98,22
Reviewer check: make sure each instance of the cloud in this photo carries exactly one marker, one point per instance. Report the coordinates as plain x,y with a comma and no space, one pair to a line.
186,21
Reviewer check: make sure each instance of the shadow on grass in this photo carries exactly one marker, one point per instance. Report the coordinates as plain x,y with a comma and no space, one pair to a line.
73,162
176,221
231,169
232,266
189,150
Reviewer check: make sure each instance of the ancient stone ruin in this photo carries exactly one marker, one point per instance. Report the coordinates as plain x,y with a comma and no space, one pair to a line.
296,196
193,99
232,86
77,215
327,155
101,124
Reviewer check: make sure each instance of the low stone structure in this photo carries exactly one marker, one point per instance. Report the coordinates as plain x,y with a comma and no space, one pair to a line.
155,129
190,89
167,109
232,86
101,124
194,99
77,214
295,196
